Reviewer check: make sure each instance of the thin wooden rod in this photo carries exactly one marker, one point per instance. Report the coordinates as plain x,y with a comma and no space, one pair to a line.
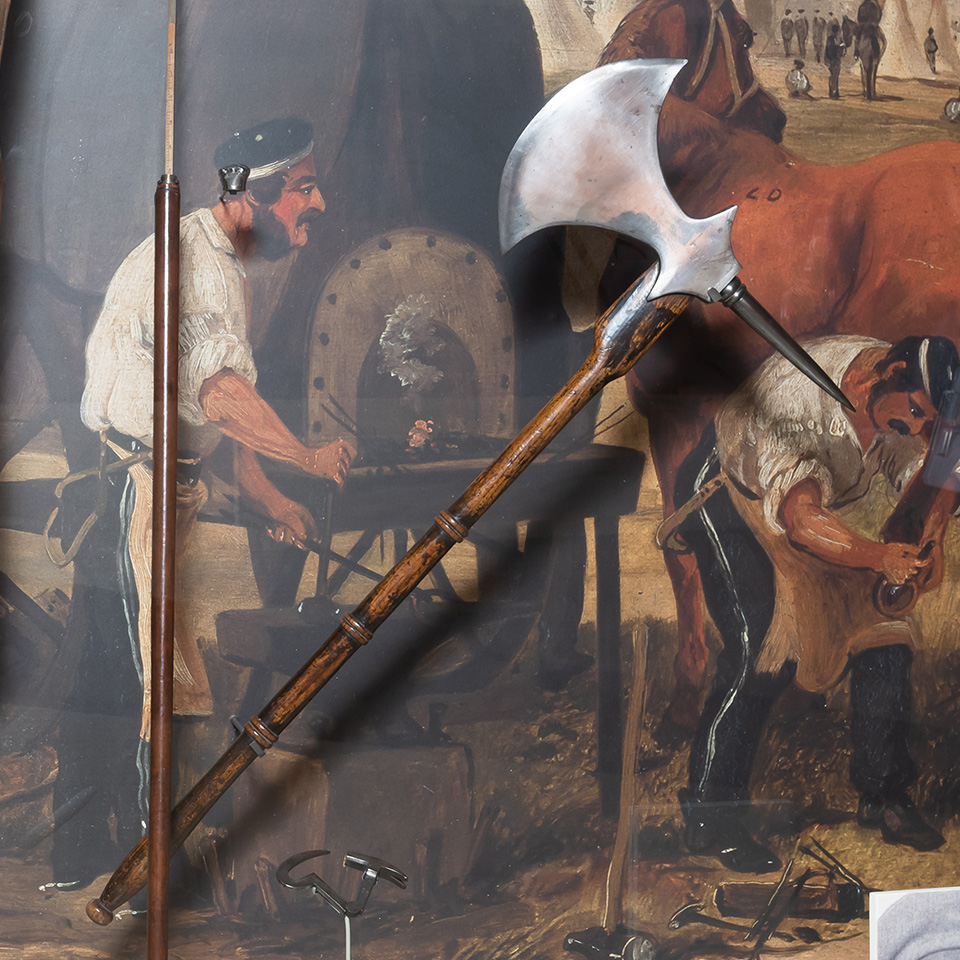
166,306
171,75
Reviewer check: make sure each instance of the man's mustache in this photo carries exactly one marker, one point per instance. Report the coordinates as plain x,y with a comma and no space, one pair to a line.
309,216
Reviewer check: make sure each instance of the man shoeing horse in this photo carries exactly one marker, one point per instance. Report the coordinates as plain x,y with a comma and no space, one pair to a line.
855,253
788,580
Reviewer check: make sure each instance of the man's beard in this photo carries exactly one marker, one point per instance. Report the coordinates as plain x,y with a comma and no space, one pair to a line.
270,235
894,425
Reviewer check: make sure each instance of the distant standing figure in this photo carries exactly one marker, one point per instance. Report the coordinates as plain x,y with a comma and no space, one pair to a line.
930,48
801,27
870,44
832,56
786,32
819,34
798,83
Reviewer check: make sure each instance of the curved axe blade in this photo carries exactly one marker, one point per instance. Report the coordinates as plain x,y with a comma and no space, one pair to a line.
589,157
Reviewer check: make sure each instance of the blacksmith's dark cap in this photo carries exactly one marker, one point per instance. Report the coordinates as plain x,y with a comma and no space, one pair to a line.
267,148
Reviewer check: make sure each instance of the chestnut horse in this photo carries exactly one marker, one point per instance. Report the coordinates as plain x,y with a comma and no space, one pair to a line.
714,38
868,248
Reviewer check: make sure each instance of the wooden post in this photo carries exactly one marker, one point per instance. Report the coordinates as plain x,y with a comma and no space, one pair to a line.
166,305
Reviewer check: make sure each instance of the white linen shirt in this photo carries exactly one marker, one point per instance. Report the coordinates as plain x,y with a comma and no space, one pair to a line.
118,391
780,428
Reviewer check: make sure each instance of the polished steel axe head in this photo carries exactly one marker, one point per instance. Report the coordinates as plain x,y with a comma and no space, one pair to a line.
590,157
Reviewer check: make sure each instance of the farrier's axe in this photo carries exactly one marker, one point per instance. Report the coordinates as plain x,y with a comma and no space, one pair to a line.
590,158
622,335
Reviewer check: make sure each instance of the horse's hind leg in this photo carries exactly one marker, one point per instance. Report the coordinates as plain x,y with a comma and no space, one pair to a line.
690,662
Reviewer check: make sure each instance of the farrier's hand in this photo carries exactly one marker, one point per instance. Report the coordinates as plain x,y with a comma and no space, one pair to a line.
331,462
293,524
901,562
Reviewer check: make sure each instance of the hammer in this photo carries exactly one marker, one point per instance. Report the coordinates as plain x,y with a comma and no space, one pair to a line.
690,913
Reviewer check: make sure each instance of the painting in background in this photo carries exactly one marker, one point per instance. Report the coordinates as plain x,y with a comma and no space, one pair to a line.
548,737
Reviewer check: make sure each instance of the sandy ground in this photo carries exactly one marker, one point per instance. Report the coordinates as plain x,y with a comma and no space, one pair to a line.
852,128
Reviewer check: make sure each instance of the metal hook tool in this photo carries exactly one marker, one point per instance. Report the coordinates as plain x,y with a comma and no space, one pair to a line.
373,869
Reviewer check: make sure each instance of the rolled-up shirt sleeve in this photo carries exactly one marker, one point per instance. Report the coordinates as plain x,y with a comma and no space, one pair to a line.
786,457
206,348
213,334
770,458
782,483
779,429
